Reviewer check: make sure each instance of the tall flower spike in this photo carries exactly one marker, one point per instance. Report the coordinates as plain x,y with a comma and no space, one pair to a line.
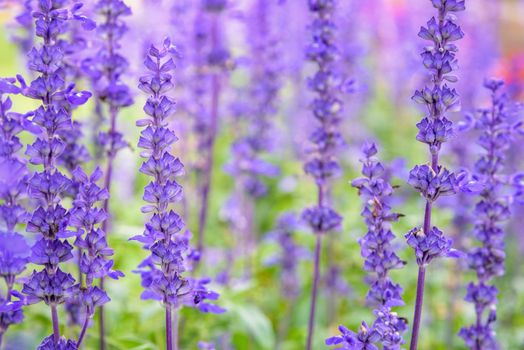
497,129
14,250
95,262
380,257
216,61
326,139
50,220
164,237
105,70
255,138
433,180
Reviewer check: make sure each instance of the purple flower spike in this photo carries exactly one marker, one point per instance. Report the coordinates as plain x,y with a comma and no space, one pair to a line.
498,126
326,107
14,250
52,124
380,257
162,272
434,180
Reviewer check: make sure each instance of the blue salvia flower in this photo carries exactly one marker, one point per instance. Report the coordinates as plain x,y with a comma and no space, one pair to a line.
264,86
497,129
105,71
50,220
14,250
380,257
212,61
326,106
433,180
164,237
95,261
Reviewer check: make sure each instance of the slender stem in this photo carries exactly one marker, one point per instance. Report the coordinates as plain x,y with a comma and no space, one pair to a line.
175,329
107,184
418,307
169,328
314,292
208,167
83,331
56,329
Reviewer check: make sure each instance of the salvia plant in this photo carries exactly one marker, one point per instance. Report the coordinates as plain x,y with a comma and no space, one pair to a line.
254,78
326,138
380,257
497,126
216,61
50,220
165,238
14,250
434,180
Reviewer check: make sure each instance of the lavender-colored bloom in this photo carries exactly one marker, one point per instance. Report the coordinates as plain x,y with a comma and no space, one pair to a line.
380,257
497,126
247,165
49,343
50,219
433,180
162,272
95,253
212,59
323,166
14,250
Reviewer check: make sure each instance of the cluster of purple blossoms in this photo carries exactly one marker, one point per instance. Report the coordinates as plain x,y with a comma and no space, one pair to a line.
380,257
326,83
14,250
248,163
212,60
433,180
326,107
50,219
92,244
164,237
497,126
105,71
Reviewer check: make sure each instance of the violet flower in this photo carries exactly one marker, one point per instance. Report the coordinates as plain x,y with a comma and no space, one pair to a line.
380,257
91,242
433,180
50,220
208,42
326,107
105,70
164,236
497,127
14,250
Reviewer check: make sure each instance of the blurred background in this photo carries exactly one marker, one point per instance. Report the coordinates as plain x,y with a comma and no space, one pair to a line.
380,51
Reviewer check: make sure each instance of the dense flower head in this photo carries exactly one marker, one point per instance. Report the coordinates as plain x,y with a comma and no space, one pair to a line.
105,70
63,344
376,245
10,313
430,245
248,163
14,250
164,237
380,257
434,180
326,106
497,126
51,287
